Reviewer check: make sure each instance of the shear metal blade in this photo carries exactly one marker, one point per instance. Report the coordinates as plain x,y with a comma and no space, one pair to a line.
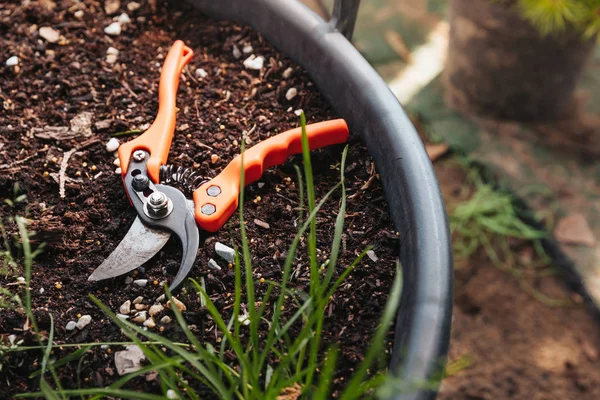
139,245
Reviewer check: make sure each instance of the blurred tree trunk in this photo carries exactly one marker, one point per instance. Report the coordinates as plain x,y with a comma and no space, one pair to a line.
500,66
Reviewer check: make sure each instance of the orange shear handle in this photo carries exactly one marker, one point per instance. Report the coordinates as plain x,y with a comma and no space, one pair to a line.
216,200
157,139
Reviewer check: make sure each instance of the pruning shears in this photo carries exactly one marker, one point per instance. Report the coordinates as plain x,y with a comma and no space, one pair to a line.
163,209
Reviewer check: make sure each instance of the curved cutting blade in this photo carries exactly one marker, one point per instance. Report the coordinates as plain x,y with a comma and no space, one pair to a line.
139,245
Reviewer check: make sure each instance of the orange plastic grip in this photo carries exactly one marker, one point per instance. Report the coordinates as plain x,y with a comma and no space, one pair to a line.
157,139
217,199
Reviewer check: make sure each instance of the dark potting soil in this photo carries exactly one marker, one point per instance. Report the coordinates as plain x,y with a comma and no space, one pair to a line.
57,82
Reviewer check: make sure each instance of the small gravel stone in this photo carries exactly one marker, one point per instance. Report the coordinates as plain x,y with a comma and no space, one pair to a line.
21,279
140,307
78,14
132,6
262,224
291,93
49,34
111,6
129,360
165,320
254,62
124,19
247,49
201,73
117,162
122,316
129,279
12,61
236,52
260,185
113,29
141,282
140,317
226,252
149,323
118,171
177,303
287,73
155,309
84,321
214,159
372,256
112,50
112,145
171,395
71,325
111,58
125,307
213,265
137,300
161,298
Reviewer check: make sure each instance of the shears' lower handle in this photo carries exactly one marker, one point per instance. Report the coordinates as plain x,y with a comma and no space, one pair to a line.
216,200
157,139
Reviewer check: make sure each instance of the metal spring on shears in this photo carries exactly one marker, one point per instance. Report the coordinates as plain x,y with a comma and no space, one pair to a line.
186,179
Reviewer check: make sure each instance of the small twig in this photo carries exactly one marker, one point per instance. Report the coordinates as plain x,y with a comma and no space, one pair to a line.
126,86
199,143
8,166
63,170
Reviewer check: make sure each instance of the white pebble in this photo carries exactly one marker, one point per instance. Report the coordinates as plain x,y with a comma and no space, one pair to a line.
226,252
84,321
42,290
260,185
287,73
111,59
372,256
244,319
112,145
149,323
12,338
117,163
21,279
78,14
171,394
177,303
254,62
49,34
201,73
137,300
125,307
161,298
165,320
213,264
118,171
236,52
155,309
11,62
290,108
113,29
141,282
291,93
140,317
124,19
140,307
132,6
112,50
299,112
247,49
71,325
122,317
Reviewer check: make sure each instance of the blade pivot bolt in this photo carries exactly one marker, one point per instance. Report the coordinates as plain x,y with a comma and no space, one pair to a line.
140,182
213,191
139,155
208,209
158,204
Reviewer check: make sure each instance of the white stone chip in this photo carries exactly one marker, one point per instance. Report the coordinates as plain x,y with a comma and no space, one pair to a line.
254,62
129,360
247,49
113,29
112,50
140,317
291,93
112,145
372,256
141,282
132,6
155,309
71,325
124,19
201,73
117,163
226,252
111,58
165,320
137,300
125,307
171,395
84,321
118,171
48,34
213,265
78,14
287,73
12,61
20,279
149,323
260,185
299,112
122,317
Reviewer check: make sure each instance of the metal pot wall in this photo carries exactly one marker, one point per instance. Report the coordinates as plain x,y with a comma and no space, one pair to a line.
359,95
